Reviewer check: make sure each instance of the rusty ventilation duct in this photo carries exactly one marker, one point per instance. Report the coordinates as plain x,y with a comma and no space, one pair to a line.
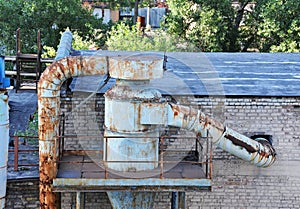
132,109
4,132
65,45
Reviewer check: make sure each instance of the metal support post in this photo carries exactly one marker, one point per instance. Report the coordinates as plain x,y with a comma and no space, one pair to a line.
181,200
178,200
79,204
16,153
174,200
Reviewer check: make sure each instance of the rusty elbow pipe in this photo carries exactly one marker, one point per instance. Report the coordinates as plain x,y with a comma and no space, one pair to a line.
259,152
48,111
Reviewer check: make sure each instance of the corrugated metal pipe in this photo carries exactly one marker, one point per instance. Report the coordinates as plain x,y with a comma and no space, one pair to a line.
65,45
49,103
64,49
4,138
259,152
49,111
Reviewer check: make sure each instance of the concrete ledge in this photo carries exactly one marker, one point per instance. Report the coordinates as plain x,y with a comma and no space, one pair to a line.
151,184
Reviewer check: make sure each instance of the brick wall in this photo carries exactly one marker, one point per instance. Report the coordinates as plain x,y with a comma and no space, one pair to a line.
83,118
236,184
100,200
22,194
89,200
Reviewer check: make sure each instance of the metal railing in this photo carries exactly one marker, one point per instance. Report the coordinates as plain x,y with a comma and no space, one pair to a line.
16,152
200,152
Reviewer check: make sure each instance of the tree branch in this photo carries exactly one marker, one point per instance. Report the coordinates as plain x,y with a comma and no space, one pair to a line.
136,10
240,14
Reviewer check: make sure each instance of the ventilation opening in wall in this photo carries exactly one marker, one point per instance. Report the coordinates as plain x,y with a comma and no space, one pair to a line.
265,136
297,108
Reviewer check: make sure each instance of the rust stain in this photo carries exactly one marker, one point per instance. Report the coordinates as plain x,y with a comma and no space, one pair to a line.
264,154
175,113
48,123
48,85
213,123
253,155
206,122
260,158
135,67
139,113
240,143
71,67
47,173
191,114
54,71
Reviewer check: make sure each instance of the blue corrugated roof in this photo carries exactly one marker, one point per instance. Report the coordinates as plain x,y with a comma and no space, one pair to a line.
231,74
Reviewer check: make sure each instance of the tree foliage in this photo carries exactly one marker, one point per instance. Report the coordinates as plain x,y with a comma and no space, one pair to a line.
279,25
48,16
267,25
208,24
131,38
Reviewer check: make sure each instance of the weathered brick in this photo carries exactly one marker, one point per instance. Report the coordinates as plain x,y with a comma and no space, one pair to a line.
236,184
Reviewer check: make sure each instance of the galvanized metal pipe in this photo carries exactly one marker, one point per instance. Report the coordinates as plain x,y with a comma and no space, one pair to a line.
4,132
259,152
64,49
49,111
122,118
65,45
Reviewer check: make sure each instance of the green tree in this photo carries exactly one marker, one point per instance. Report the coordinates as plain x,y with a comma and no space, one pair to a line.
48,16
277,25
267,25
208,24
131,38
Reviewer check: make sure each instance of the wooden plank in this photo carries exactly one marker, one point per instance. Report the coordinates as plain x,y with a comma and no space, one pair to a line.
27,56
10,58
13,59
12,73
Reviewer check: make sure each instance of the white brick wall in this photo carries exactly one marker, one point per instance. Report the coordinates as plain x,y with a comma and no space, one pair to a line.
236,184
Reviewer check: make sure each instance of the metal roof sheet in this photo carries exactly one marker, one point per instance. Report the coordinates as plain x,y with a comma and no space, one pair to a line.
205,74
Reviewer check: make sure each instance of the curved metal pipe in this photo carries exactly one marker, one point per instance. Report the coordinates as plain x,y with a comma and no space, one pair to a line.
259,152
49,111
65,45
